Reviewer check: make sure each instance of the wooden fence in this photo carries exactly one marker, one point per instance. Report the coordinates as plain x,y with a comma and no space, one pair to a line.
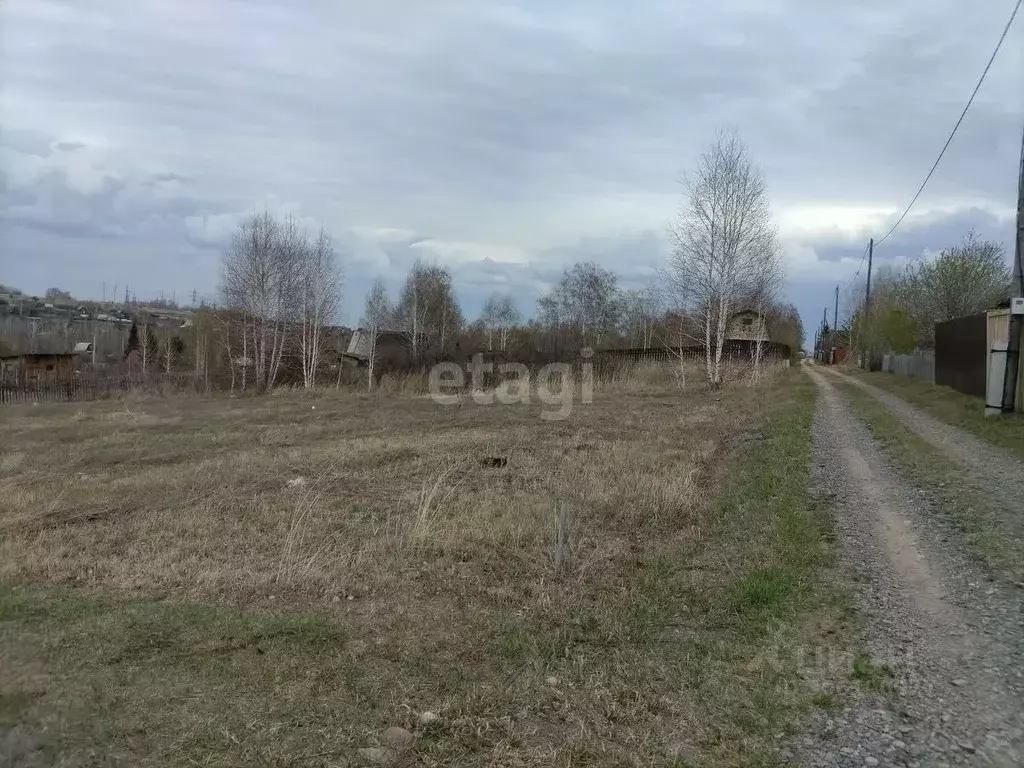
734,350
66,389
918,365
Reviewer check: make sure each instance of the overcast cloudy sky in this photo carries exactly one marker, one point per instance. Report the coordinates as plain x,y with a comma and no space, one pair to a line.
505,140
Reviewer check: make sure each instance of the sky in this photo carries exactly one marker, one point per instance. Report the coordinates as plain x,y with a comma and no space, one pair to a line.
504,140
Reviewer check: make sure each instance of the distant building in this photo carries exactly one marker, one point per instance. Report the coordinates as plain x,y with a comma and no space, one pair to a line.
747,325
834,347
389,344
37,365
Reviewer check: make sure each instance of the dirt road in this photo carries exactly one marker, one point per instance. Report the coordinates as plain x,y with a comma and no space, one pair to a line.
994,471
943,647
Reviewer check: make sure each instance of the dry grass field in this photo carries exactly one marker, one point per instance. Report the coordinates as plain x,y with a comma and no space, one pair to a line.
171,593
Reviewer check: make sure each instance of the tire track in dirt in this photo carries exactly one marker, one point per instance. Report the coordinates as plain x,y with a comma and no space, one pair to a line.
952,642
994,471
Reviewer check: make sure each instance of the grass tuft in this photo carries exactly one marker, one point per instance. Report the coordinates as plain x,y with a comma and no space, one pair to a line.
871,675
766,591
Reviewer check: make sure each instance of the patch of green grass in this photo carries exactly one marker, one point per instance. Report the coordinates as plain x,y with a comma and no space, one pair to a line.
773,545
952,407
12,705
197,678
782,539
768,591
824,700
981,524
871,675
513,642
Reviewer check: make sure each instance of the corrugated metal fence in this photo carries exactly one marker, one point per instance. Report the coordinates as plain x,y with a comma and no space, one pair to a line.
961,353
960,359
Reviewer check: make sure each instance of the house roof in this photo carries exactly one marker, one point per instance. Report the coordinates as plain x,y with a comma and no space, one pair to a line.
359,344
83,346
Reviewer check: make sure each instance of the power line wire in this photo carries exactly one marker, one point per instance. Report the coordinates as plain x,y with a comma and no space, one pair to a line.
963,114
859,267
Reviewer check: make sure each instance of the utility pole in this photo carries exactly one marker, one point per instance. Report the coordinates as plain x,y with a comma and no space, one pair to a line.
871,255
824,335
1014,342
835,314
866,324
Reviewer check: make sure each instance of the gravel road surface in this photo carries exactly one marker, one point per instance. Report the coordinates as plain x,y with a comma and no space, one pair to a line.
997,472
952,640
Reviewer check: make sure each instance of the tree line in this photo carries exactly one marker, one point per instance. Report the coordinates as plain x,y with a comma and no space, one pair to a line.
906,303
281,292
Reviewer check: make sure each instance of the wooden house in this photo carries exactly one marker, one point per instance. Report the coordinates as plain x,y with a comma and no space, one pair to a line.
747,325
37,365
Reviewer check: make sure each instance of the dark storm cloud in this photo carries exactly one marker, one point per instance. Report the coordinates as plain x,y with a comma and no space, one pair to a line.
504,140
68,146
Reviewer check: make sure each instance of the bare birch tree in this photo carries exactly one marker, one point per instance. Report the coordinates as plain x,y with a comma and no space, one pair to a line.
377,310
250,279
640,310
588,299
223,321
499,316
427,310
489,319
260,278
723,243
766,289
148,347
202,360
320,295
167,352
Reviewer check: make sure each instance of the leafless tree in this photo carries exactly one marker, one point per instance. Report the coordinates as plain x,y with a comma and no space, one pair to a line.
499,316
253,280
147,347
202,358
320,286
586,299
427,310
375,316
262,278
724,243
640,311
167,352
767,285
224,322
